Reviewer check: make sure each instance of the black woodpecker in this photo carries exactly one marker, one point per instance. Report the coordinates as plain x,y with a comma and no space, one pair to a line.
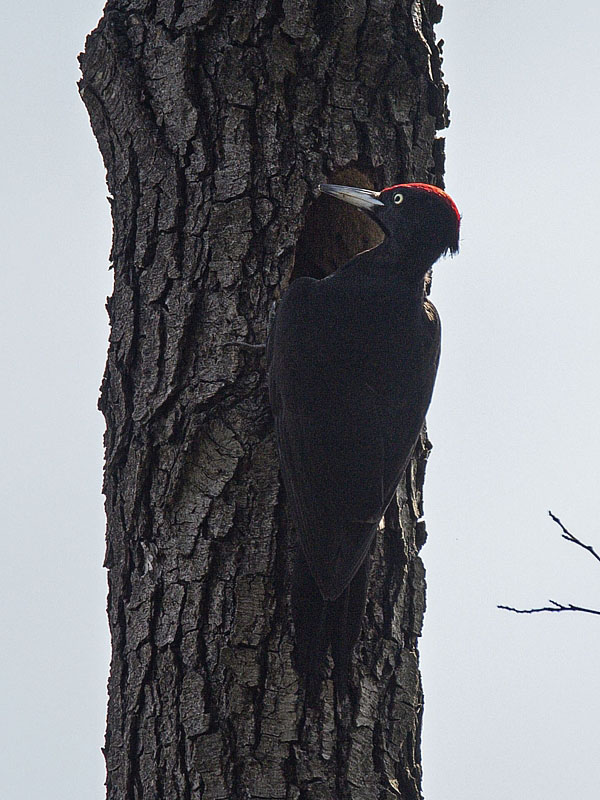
352,363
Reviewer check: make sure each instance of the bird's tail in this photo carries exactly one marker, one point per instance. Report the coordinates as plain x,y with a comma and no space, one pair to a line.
319,622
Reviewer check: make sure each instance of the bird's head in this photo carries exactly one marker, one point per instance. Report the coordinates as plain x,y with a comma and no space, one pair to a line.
420,221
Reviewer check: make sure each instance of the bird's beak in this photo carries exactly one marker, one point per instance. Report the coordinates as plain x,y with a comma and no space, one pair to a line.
363,198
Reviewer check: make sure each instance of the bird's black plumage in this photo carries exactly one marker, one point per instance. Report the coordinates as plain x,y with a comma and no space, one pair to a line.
352,363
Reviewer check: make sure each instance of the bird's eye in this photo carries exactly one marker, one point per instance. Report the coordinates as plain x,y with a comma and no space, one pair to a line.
398,198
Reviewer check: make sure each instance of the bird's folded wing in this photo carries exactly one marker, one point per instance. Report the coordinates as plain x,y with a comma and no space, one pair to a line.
334,475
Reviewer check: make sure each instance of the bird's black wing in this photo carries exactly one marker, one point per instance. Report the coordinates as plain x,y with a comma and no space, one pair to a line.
336,507
407,414
343,442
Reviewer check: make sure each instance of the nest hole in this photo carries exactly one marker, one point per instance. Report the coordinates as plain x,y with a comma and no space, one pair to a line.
334,232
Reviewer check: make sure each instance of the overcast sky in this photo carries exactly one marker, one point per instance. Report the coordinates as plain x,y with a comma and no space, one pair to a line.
512,703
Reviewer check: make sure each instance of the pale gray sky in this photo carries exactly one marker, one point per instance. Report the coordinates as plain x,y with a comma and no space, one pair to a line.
512,703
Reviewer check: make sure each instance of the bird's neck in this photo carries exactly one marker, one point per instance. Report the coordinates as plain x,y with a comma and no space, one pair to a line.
391,264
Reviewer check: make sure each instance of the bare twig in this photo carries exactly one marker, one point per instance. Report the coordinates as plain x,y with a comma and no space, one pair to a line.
554,606
258,348
570,538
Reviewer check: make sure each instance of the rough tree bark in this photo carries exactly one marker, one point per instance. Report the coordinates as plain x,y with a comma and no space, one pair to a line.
216,121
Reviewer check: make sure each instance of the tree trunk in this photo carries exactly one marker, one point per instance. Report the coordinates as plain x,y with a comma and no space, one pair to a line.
216,121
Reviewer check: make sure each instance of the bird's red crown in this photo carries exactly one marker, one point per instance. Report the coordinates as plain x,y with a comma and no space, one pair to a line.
427,187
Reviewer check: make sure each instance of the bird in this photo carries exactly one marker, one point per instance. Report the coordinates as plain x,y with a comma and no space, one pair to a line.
352,360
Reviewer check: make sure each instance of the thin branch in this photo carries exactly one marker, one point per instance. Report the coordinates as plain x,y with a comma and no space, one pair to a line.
258,348
554,607
570,538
